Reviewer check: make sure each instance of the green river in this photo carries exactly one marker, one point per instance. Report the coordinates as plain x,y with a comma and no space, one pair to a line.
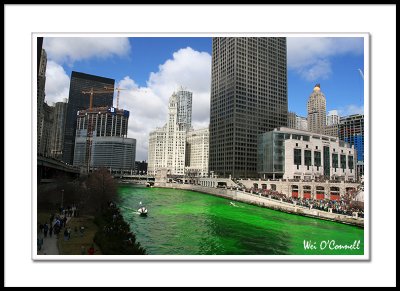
183,222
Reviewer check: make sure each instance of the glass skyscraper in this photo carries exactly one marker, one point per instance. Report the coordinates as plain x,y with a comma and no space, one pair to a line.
248,97
79,101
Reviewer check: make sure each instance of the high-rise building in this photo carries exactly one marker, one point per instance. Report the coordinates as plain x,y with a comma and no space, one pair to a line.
57,132
248,97
301,123
297,122
79,101
351,130
197,148
332,130
291,120
332,118
167,144
184,108
316,109
45,130
41,84
110,146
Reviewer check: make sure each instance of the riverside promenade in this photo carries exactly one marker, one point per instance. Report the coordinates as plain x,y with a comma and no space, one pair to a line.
266,202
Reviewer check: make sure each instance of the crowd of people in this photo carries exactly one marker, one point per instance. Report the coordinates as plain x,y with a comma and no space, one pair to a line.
345,205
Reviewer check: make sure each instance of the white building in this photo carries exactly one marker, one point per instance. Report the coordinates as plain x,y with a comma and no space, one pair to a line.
197,148
332,118
167,145
301,123
294,154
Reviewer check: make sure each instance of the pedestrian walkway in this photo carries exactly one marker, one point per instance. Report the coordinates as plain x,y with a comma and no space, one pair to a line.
49,246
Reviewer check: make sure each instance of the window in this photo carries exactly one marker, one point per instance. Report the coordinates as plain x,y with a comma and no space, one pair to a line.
343,161
335,161
307,159
350,162
297,157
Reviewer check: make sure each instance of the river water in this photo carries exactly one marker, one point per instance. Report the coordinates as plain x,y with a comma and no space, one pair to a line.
181,222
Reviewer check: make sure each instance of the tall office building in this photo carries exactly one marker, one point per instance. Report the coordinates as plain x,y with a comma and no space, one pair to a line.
110,147
291,120
45,130
167,145
248,97
316,109
351,130
57,133
41,84
79,101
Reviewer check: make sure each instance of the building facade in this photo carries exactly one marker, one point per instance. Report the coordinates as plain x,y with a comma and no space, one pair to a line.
106,122
294,154
167,145
332,130
116,153
57,132
197,149
79,101
332,118
301,123
292,122
41,84
45,130
351,130
316,110
248,97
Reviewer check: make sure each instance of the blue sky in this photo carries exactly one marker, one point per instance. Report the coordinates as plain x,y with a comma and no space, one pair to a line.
151,68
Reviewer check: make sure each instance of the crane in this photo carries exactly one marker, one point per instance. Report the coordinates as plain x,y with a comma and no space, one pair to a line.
89,134
116,89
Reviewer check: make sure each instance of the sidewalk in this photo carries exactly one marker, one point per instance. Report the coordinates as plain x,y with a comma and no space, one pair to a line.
49,246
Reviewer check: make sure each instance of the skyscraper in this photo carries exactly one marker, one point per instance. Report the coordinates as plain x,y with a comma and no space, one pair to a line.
110,147
316,109
41,84
351,130
78,101
167,145
57,134
248,97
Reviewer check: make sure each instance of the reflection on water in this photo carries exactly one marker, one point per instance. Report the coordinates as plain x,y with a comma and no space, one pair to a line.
189,223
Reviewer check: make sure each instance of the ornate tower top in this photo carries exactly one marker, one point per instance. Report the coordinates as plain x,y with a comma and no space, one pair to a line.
317,87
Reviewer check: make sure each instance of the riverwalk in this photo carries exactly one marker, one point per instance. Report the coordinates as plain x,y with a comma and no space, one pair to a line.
270,203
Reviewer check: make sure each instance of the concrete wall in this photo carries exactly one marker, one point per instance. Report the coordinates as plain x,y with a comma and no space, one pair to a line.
266,202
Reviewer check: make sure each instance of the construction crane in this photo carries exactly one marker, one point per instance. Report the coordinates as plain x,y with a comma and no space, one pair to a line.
116,89
89,134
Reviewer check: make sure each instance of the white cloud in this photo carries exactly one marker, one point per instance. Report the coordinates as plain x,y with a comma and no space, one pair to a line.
351,109
57,83
310,56
70,49
148,106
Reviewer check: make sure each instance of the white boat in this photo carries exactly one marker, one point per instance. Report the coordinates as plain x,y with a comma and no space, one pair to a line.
142,211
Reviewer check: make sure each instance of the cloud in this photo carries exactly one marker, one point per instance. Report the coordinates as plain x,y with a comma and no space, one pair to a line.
57,83
70,49
311,57
148,105
351,109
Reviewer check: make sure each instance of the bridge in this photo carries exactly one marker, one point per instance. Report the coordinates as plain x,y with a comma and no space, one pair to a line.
48,169
134,178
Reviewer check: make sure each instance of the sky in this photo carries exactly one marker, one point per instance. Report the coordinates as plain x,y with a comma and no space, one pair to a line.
150,69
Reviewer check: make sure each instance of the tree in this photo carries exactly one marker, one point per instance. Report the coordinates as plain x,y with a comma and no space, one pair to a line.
100,188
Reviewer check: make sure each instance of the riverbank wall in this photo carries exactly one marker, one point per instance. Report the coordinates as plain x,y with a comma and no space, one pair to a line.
266,202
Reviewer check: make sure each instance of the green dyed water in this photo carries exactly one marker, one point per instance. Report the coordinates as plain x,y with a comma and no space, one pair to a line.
183,222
